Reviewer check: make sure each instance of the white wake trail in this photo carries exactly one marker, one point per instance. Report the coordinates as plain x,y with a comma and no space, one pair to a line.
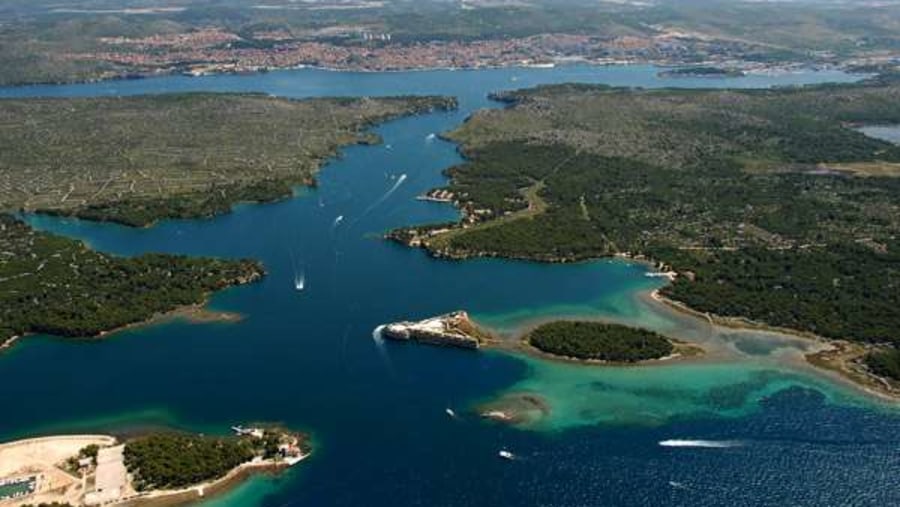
707,444
383,198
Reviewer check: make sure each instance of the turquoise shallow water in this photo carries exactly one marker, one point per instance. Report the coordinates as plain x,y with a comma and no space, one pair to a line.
308,360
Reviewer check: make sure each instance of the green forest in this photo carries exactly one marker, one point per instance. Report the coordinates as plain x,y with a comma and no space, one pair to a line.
769,203
885,362
599,341
219,200
174,460
55,285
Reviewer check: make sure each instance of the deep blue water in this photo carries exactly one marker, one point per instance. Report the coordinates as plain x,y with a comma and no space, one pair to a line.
382,438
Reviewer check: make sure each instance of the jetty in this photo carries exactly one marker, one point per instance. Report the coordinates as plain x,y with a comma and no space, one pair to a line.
454,329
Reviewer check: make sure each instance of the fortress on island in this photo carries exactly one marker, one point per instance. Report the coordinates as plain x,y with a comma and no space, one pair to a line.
454,329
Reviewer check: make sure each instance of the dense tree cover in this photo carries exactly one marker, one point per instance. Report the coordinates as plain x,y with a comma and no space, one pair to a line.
143,212
50,284
767,202
173,460
595,340
885,362
838,291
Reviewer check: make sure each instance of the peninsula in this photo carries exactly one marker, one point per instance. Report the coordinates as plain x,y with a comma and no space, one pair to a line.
177,468
59,286
768,205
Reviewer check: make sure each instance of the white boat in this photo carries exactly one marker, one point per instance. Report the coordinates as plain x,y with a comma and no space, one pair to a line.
506,455
450,412
431,137
299,283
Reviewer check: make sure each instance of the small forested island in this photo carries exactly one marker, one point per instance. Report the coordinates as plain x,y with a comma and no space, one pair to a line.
770,205
597,341
136,160
55,285
169,467
701,71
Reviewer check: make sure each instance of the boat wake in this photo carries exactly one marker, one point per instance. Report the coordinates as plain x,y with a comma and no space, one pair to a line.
377,336
299,281
706,444
399,181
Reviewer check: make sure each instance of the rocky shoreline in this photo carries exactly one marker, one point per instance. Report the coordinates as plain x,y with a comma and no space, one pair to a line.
454,329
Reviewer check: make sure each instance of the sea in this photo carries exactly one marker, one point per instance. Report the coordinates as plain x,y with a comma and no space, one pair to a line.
751,425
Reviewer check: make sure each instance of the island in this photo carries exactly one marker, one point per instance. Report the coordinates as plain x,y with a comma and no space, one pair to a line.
454,329
598,341
769,207
170,467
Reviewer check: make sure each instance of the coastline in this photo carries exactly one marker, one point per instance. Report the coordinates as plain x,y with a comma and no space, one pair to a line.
424,237
776,69
421,237
196,313
49,463
835,359
205,490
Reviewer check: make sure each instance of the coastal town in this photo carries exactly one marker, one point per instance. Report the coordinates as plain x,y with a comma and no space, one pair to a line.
210,50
